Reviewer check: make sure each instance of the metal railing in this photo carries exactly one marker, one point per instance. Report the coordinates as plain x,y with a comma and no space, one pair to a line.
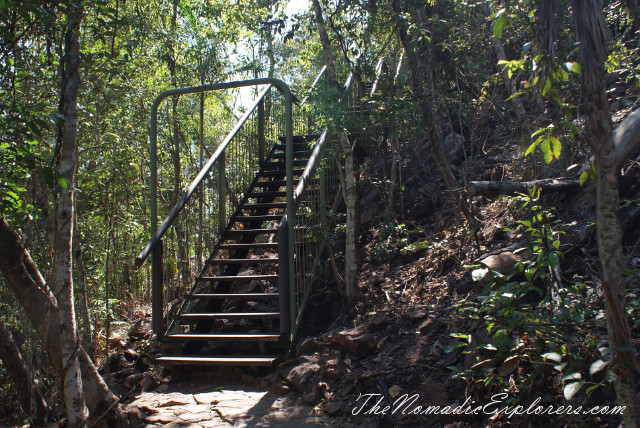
223,179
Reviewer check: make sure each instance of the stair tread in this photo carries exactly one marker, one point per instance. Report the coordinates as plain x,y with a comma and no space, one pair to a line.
242,261
205,315
295,153
278,172
250,245
265,194
283,164
231,295
224,336
272,183
258,217
216,360
250,232
234,277
265,205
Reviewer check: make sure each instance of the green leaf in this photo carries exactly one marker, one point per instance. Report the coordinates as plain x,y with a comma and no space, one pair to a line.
571,389
583,177
553,259
546,151
538,132
531,148
62,182
547,87
556,147
498,24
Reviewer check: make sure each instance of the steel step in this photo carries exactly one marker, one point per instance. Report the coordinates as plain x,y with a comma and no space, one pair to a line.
251,218
232,295
295,154
210,315
262,337
235,277
250,232
279,173
265,205
268,194
251,245
272,183
215,361
241,261
283,164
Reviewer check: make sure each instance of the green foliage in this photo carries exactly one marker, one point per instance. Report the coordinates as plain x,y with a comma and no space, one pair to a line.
525,341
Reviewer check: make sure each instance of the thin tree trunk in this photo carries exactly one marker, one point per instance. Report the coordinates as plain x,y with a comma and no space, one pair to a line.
31,400
352,291
87,330
25,280
66,153
593,36
456,194
516,103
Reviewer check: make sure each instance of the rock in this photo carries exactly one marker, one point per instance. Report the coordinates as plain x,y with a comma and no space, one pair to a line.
425,326
300,376
414,315
310,397
307,346
504,262
118,333
454,145
280,388
379,320
132,380
333,407
141,329
335,368
147,383
355,341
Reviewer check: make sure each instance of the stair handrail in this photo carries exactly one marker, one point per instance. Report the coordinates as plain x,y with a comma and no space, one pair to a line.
287,224
153,146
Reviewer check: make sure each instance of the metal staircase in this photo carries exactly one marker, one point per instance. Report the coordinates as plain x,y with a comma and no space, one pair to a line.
281,179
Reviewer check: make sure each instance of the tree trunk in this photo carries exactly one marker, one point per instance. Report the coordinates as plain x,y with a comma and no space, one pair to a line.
592,35
23,278
349,182
66,153
31,400
456,194
87,327
516,103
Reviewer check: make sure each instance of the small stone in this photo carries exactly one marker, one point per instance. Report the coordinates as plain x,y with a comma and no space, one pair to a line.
354,341
280,388
299,376
333,407
415,315
306,347
141,328
147,383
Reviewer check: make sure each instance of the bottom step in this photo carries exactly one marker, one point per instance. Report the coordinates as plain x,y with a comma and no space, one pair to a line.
215,361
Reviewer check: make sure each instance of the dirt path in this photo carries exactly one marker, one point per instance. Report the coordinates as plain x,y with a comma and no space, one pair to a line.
221,406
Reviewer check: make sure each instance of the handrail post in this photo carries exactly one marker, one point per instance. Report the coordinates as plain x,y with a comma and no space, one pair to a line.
222,194
261,142
283,277
157,291
290,206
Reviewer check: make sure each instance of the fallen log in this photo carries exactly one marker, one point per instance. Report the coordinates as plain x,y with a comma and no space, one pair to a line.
626,138
549,185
